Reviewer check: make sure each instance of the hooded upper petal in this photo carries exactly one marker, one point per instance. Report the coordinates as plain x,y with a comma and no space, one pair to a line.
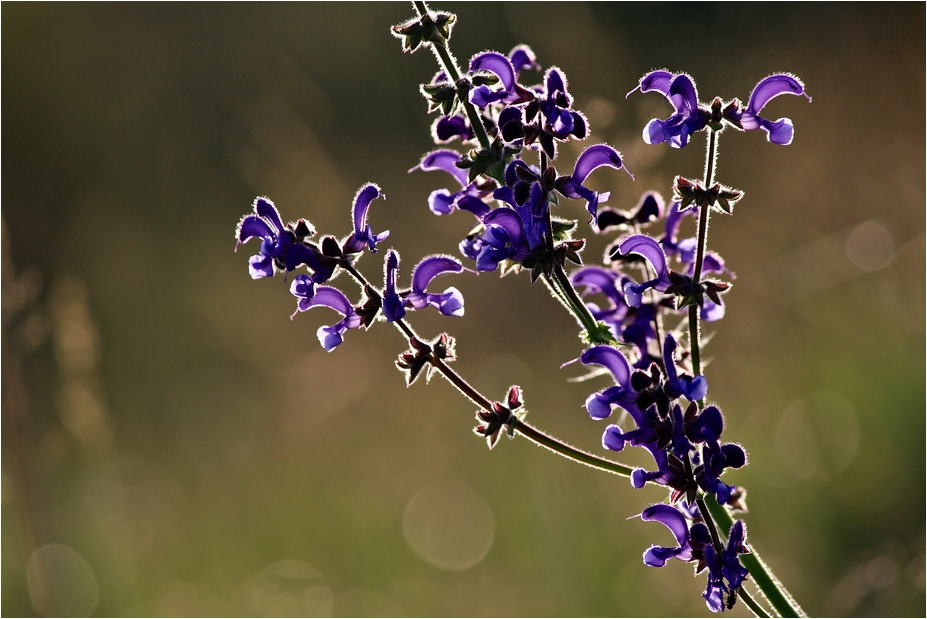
611,359
363,234
431,267
446,160
495,63
770,88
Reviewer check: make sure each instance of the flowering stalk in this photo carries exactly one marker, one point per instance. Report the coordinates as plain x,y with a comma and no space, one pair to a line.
658,380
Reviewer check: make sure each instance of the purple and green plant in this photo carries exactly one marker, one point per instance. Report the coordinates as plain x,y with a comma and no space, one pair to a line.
658,288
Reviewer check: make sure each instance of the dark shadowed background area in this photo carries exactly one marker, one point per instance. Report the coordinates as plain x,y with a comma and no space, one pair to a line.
173,444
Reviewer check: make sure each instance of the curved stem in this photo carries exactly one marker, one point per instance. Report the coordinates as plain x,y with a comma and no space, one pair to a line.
528,431
561,448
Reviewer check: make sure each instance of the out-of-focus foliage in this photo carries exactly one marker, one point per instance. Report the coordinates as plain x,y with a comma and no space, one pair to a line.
174,445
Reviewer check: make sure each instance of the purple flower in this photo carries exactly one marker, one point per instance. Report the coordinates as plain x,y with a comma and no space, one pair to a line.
691,388
595,279
714,592
442,201
593,157
502,68
363,235
599,405
649,249
503,239
450,302
716,459
310,296
734,572
725,566
393,306
528,199
780,131
562,121
522,58
549,116
446,128
281,247
688,116
640,332
672,519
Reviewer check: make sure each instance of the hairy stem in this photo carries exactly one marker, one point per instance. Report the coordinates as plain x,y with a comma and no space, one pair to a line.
752,604
528,431
453,72
704,212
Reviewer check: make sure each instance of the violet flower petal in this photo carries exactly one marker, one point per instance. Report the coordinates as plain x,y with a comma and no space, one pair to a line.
672,518
612,359
645,246
770,88
431,267
522,57
707,427
655,80
683,95
711,311
509,220
251,227
325,296
446,128
302,287
266,209
594,157
613,438
495,63
363,235
443,159
393,306
261,266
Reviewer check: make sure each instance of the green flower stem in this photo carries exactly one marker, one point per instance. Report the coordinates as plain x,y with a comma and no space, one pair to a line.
450,67
752,604
575,304
765,580
572,453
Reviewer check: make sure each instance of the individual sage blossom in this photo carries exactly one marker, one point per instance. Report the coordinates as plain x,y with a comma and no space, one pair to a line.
363,236
778,132
282,246
688,117
325,296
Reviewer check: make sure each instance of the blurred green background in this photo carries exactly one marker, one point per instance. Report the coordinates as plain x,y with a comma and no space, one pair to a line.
173,444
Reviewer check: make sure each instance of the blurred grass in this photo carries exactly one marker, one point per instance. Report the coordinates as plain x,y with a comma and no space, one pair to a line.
165,420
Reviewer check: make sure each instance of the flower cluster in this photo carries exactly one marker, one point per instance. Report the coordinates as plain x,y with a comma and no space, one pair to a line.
640,309
513,121
285,248
659,388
